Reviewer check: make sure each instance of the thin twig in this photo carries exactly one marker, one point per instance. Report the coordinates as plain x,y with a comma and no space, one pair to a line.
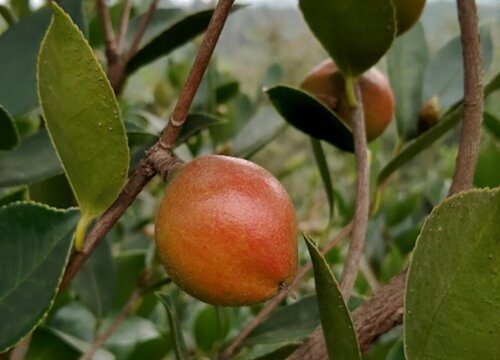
120,318
470,136
385,310
203,57
126,310
109,35
122,33
158,159
143,25
272,304
361,214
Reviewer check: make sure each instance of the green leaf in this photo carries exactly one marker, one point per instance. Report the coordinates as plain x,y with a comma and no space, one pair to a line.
406,63
397,351
84,121
356,33
76,320
262,128
19,47
211,326
178,33
492,123
280,351
447,122
310,116
319,156
35,247
289,324
129,265
160,20
131,333
487,170
10,195
453,286
95,283
180,349
225,92
391,265
424,141
7,15
80,345
338,330
55,192
46,346
9,137
195,123
444,74
32,161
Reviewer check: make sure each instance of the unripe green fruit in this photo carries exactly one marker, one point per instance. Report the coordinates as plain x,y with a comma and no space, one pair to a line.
327,84
226,231
407,13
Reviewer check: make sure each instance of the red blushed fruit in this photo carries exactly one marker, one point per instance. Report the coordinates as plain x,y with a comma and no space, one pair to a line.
226,231
327,84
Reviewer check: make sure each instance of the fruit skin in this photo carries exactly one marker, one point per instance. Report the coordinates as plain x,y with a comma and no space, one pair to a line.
226,231
407,13
327,84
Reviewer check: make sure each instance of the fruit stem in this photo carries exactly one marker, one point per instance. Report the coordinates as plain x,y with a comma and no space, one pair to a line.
286,289
350,92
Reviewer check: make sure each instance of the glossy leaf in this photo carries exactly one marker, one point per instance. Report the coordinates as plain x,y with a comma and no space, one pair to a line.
175,328
319,156
289,324
10,195
131,333
259,131
211,326
338,330
195,123
160,20
397,351
95,283
492,123
356,33
7,15
487,169
178,33
84,121
74,319
55,192
80,345
453,287
46,346
310,116
9,137
19,47
406,63
280,351
225,92
447,122
444,74
35,247
32,161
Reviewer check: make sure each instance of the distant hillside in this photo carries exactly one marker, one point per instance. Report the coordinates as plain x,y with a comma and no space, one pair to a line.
257,36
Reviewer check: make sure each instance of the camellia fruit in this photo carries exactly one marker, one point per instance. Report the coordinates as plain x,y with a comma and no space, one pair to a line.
407,13
226,231
327,84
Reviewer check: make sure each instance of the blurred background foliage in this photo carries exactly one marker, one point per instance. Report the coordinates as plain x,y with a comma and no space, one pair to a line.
260,47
